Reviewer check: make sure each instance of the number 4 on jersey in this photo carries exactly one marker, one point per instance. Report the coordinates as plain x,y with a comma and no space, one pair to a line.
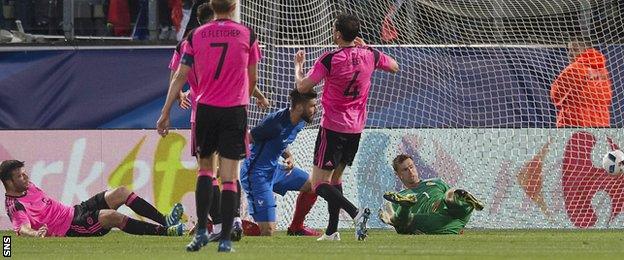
352,88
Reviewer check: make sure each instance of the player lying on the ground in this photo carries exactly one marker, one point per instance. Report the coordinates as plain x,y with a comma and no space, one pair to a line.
426,206
33,213
261,174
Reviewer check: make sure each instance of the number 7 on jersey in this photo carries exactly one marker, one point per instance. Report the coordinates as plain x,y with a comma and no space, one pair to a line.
224,48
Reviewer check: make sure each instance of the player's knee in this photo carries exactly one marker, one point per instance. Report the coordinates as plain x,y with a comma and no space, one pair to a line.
110,218
319,175
122,192
116,197
229,169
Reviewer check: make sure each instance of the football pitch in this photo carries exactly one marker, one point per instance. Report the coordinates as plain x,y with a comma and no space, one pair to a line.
382,244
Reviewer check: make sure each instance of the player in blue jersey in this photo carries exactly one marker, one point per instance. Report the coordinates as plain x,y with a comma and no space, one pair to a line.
262,174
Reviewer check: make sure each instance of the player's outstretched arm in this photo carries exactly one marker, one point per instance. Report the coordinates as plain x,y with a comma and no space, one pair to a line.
179,79
304,84
393,65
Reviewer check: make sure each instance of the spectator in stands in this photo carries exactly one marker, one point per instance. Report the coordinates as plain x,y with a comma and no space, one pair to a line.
582,92
165,11
193,22
119,17
187,7
123,13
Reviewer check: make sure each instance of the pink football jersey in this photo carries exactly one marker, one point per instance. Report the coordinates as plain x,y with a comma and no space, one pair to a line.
347,73
220,53
37,208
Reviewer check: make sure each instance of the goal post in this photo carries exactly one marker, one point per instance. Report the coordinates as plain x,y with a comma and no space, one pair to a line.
472,103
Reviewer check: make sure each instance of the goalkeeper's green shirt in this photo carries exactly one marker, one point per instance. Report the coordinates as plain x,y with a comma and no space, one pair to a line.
425,217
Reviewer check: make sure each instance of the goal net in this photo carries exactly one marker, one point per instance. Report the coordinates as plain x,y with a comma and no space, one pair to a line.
472,102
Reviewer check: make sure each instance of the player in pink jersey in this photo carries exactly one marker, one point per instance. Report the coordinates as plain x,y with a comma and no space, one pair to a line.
224,55
34,213
187,101
347,72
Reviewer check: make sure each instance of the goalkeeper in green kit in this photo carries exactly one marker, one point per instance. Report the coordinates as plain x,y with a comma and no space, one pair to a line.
426,206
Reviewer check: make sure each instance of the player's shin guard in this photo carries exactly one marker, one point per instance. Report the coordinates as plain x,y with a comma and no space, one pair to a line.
137,227
334,213
203,197
143,208
238,199
228,204
333,195
237,225
215,207
304,204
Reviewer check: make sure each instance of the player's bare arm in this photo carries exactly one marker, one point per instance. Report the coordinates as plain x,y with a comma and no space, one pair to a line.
179,79
303,83
26,230
252,73
394,66
261,100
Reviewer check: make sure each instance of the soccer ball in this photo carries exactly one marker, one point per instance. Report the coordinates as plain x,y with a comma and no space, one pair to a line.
612,162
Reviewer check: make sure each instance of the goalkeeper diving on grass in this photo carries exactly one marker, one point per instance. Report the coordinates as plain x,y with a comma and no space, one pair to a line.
426,206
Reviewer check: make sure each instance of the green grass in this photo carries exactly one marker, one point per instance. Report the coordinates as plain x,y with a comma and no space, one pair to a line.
474,244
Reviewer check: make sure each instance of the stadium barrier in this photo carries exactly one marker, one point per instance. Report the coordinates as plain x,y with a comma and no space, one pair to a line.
527,180
497,86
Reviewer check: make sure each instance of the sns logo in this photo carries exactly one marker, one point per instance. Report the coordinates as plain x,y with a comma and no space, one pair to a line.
6,246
